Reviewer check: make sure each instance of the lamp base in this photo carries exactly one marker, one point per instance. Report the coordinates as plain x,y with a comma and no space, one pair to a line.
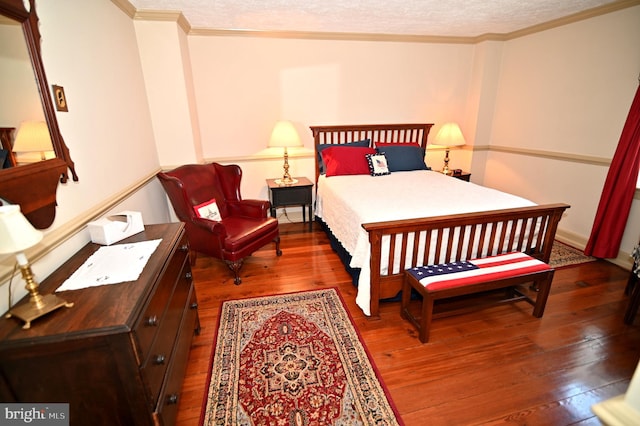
286,181
27,312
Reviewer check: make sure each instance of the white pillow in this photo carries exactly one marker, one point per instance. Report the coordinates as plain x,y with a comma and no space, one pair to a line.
377,164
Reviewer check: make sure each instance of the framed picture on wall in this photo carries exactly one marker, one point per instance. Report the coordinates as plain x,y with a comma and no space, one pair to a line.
60,98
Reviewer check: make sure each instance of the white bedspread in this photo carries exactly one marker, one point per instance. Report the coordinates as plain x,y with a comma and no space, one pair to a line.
344,203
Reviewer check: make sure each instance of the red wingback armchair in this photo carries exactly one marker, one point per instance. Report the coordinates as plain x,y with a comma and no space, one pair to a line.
244,227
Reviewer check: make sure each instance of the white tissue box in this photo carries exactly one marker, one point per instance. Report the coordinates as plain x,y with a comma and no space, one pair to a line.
111,229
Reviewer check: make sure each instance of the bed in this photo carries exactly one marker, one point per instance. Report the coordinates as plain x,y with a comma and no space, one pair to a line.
391,212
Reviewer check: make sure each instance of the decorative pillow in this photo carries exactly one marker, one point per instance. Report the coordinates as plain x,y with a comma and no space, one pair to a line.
386,144
208,210
340,161
404,158
321,147
377,164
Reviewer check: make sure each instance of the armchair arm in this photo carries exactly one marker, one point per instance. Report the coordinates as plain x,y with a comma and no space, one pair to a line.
249,208
212,226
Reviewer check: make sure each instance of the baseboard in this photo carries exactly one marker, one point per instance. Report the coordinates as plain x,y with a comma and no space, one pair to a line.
623,259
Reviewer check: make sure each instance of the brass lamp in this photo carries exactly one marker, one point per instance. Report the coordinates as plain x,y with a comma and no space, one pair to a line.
34,137
17,235
448,136
284,135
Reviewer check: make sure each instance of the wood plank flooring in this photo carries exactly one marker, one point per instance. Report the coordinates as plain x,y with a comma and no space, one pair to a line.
496,366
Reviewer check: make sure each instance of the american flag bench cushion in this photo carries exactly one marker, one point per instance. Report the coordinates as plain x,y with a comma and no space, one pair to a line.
457,274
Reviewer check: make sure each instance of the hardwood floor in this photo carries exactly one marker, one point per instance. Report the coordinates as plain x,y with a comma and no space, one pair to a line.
495,366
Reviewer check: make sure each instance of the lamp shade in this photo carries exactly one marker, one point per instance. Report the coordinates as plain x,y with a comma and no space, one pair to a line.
284,135
449,135
16,233
33,136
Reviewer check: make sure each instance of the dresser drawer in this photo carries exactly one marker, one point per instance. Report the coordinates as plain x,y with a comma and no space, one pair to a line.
160,353
167,408
149,323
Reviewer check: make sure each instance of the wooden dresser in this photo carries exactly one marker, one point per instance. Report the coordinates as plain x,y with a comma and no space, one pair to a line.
119,355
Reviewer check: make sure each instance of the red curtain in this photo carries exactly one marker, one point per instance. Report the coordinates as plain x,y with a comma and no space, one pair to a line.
619,188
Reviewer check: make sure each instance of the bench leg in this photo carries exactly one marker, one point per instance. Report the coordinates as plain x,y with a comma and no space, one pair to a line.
406,295
425,319
544,288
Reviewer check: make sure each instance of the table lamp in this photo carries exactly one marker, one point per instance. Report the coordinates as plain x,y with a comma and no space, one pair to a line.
17,235
284,135
33,136
448,136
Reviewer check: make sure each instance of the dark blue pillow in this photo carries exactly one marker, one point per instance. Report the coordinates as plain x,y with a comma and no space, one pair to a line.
321,146
404,158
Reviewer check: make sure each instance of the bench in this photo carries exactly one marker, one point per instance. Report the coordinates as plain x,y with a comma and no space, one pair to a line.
461,278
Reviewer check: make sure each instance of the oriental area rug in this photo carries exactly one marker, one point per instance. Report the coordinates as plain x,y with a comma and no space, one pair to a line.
293,360
564,255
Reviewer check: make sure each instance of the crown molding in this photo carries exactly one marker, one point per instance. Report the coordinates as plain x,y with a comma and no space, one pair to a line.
154,15
576,17
158,15
340,36
126,7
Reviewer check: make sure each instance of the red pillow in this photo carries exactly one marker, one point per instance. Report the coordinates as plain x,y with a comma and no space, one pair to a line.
383,144
346,161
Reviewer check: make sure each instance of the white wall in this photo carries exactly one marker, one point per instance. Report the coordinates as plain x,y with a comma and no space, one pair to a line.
566,90
168,81
245,84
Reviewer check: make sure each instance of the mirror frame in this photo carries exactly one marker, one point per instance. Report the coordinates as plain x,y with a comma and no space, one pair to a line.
33,186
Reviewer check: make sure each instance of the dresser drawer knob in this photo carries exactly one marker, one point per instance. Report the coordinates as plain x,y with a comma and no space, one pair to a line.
188,275
152,321
184,247
194,305
172,399
159,359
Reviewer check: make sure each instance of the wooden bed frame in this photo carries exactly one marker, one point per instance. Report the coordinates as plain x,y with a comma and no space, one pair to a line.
528,229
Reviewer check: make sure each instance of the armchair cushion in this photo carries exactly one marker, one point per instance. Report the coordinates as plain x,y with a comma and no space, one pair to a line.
244,232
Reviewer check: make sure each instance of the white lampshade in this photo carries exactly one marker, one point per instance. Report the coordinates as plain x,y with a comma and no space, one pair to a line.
284,134
33,136
449,135
16,233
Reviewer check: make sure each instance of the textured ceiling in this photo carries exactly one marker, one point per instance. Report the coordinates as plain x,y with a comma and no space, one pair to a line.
464,18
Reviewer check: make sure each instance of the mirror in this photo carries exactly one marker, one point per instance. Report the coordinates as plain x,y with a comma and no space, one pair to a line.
33,185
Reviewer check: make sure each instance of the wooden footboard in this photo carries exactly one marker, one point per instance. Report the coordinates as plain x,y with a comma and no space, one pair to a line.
456,237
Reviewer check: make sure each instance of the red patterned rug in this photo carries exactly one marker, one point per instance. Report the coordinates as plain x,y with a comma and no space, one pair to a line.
293,359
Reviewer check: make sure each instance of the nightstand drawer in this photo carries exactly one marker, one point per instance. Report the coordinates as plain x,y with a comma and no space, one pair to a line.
291,196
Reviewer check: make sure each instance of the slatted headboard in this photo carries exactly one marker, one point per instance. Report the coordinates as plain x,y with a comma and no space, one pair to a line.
398,133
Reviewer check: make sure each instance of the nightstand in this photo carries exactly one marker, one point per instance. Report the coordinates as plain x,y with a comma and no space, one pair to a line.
465,176
297,194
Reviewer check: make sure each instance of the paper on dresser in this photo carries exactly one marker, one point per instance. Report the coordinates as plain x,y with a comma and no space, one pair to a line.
111,265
